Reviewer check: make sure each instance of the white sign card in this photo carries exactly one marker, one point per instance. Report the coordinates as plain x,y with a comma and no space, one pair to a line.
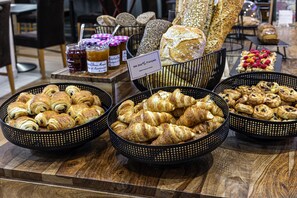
285,17
143,65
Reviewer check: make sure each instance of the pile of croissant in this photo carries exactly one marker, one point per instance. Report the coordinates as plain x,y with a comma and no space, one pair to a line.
265,101
167,118
53,109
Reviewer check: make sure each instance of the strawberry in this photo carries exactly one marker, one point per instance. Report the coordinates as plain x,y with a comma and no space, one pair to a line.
263,66
255,65
265,55
245,65
245,57
267,62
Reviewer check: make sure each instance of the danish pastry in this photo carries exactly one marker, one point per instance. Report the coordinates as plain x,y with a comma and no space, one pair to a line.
243,108
263,112
267,87
17,109
232,93
231,102
287,112
24,97
60,122
60,102
50,90
75,109
99,109
83,96
26,123
256,98
287,94
86,115
243,100
39,103
71,89
43,118
244,89
272,100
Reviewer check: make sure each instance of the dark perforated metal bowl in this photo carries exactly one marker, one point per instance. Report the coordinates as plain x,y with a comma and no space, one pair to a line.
57,140
171,154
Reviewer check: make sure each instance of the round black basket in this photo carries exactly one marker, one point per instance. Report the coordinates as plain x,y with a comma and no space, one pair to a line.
171,154
203,72
57,140
123,30
254,127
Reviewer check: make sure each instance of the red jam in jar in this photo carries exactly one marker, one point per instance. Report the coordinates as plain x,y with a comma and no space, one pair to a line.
76,58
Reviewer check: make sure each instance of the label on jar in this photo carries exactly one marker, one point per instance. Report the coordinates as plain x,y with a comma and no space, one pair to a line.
114,60
124,55
97,67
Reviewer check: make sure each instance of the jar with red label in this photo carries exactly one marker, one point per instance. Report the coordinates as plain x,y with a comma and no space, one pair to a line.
114,60
123,40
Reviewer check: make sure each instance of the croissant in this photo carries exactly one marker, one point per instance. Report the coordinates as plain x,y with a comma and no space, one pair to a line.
83,97
75,109
193,116
71,89
24,97
211,106
43,118
97,100
26,123
50,90
178,112
156,103
140,106
99,109
125,111
60,122
218,119
86,115
17,109
154,118
39,103
60,102
173,134
140,132
180,100
118,126
206,127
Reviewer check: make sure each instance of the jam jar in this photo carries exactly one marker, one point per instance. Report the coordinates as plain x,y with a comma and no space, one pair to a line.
97,58
123,40
114,60
102,36
76,58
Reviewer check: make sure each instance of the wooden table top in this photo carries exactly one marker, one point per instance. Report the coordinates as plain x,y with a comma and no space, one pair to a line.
112,75
240,167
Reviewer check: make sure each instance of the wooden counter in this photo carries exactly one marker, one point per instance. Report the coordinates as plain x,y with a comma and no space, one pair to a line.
240,167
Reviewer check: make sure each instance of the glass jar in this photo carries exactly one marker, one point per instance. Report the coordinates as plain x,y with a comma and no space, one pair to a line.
76,58
97,59
123,40
114,60
101,36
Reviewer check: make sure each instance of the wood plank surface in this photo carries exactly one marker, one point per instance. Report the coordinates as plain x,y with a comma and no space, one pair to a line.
240,167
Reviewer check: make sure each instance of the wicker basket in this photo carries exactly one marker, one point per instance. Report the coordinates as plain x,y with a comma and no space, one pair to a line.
123,30
204,72
254,127
171,154
57,140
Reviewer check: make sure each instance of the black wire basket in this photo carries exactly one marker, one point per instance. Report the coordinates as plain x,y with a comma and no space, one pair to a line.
254,127
203,72
57,140
123,30
171,154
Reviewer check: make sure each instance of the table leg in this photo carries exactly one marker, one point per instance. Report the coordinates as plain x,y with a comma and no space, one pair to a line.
251,45
285,53
113,93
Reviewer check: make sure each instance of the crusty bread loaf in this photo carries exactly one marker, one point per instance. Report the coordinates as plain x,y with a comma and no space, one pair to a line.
197,13
106,20
267,34
144,18
180,44
224,17
125,19
152,35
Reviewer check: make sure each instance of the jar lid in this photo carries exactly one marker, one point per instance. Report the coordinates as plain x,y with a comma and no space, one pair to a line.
89,42
102,36
121,38
114,43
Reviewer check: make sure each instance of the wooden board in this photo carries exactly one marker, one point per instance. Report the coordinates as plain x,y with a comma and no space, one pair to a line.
240,167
